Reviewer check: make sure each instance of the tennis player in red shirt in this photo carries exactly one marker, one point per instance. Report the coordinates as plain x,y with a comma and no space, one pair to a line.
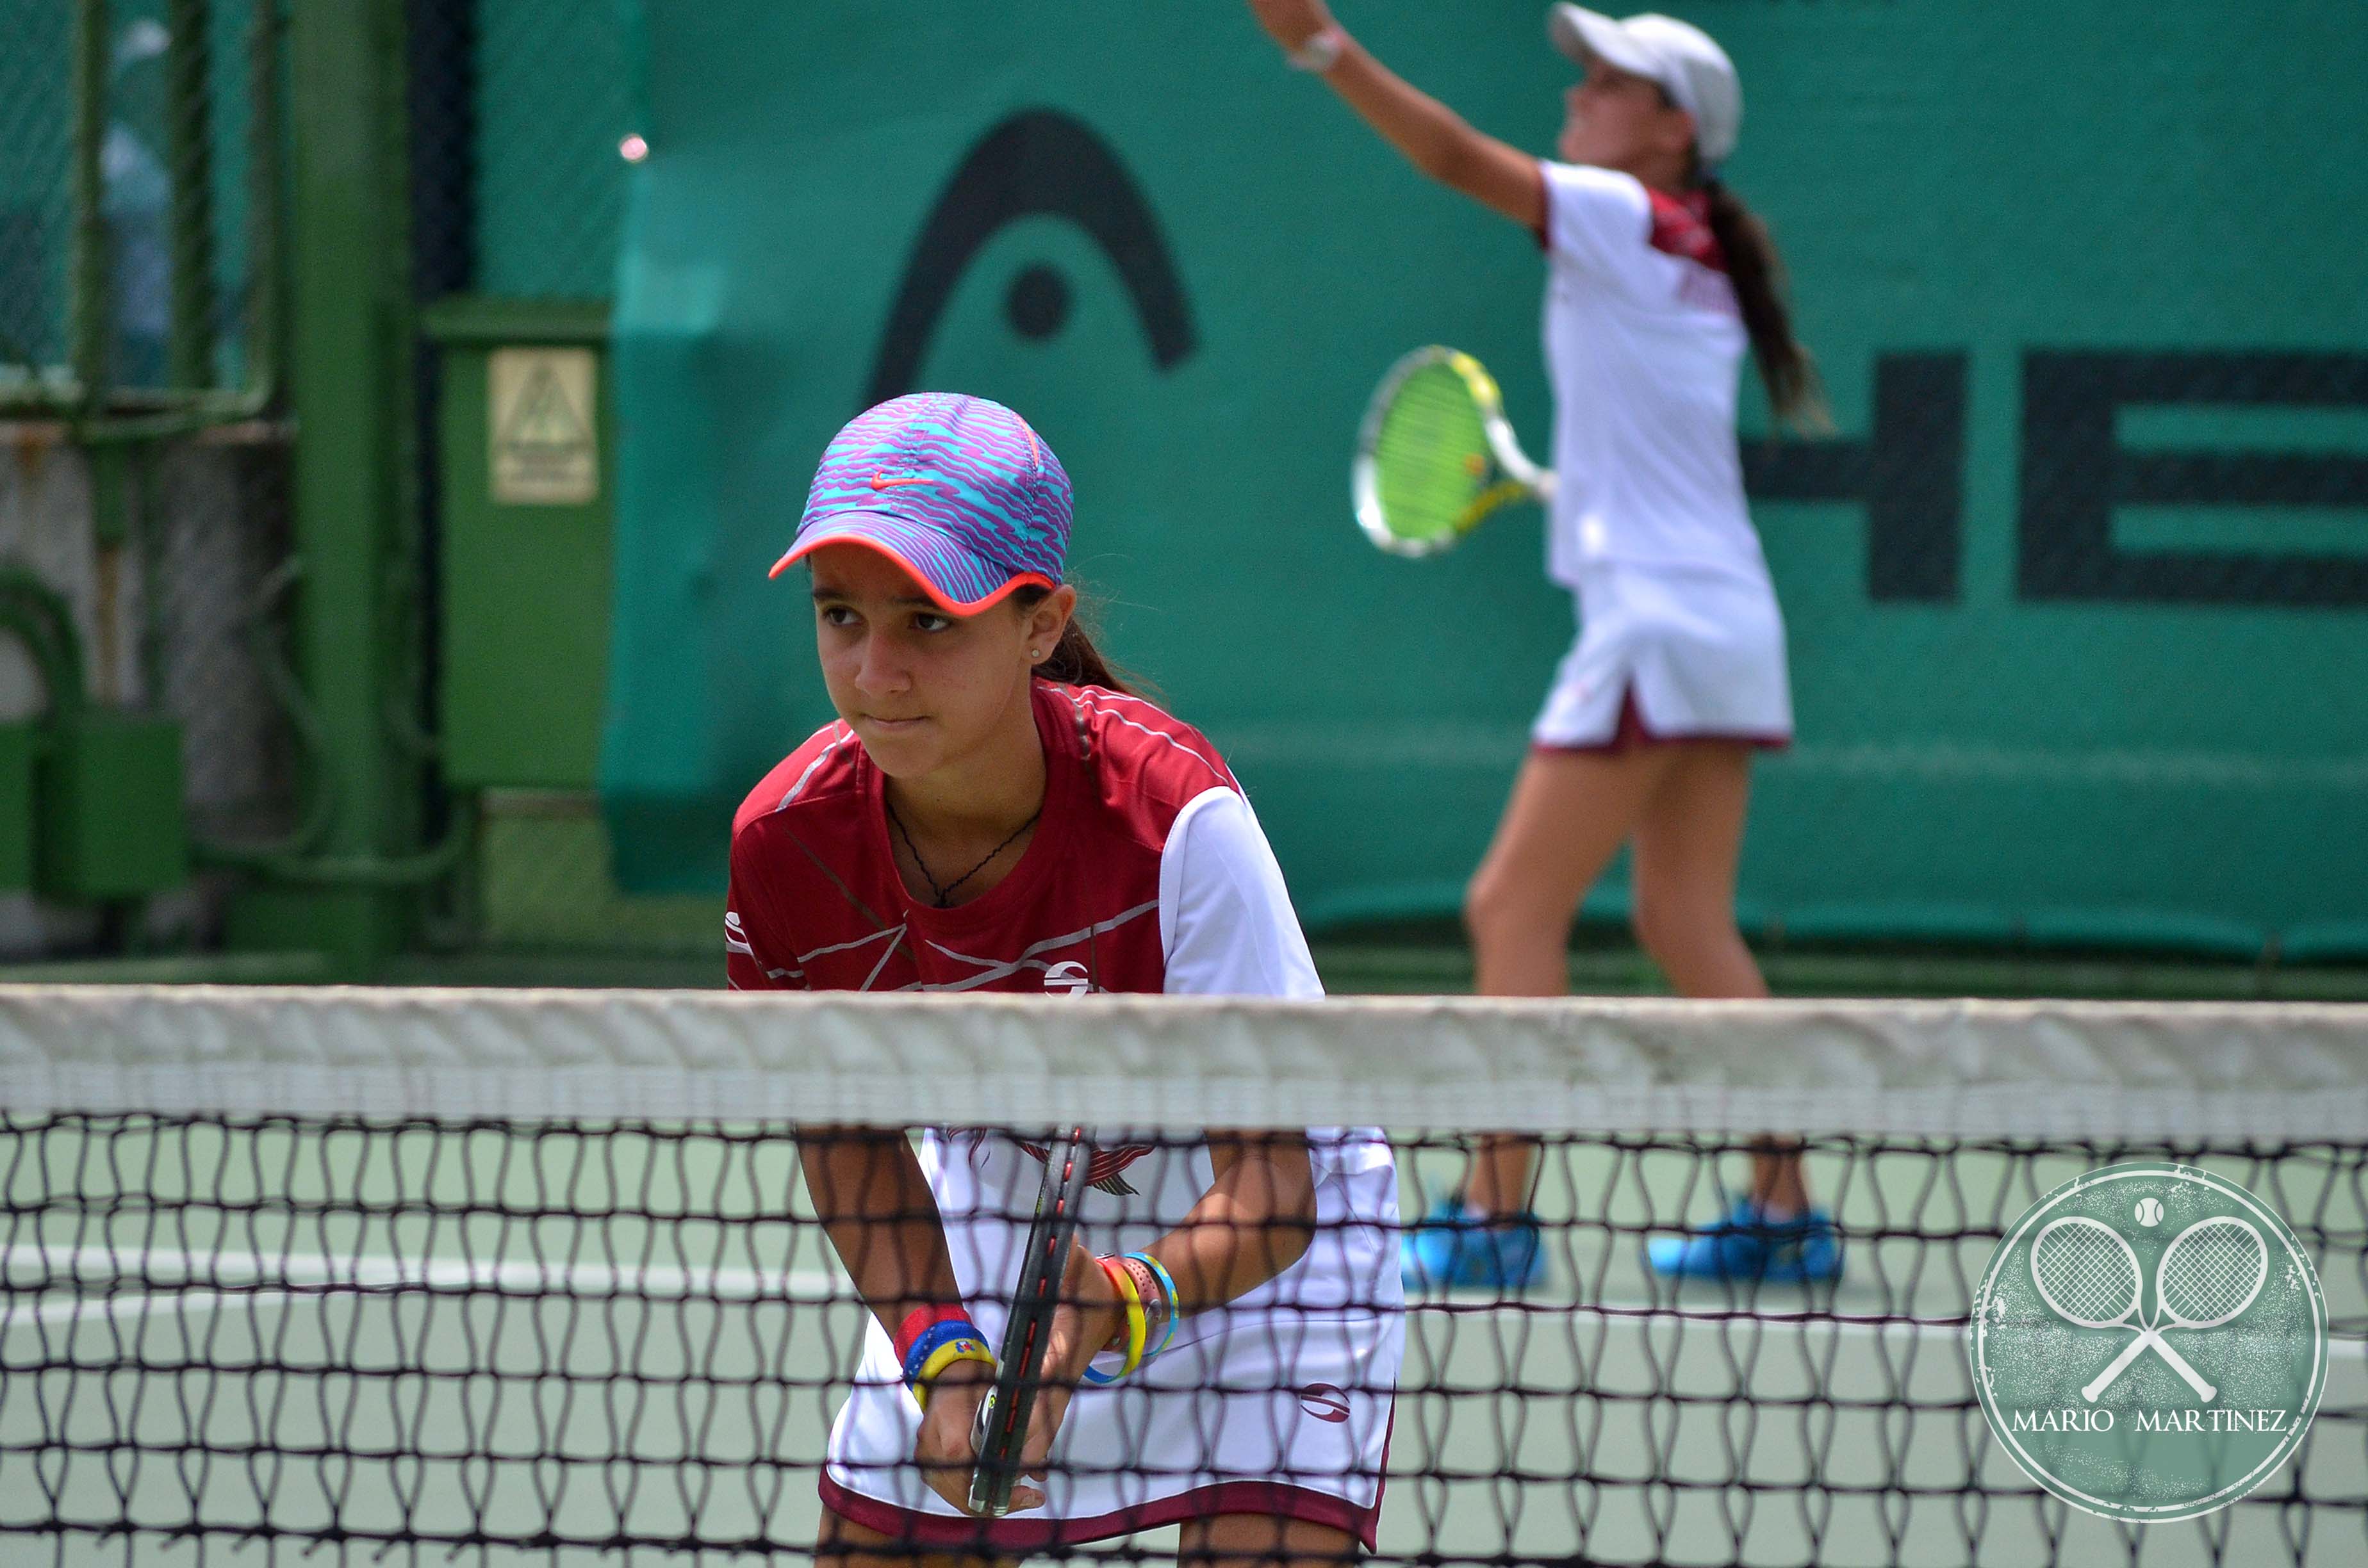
993,811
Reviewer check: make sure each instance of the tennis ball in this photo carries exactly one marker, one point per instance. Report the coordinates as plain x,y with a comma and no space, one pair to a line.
2149,1211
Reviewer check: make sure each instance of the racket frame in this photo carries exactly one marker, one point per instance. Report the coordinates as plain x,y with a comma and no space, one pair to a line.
2166,1317
2129,1315
1522,479
2261,1272
1003,1415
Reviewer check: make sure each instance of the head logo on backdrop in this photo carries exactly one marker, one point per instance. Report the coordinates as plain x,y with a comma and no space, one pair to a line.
1038,162
2149,1342
2062,477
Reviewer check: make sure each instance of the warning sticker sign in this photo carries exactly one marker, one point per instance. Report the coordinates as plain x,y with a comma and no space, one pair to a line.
542,418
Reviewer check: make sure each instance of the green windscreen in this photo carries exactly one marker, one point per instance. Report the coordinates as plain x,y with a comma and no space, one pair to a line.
2077,596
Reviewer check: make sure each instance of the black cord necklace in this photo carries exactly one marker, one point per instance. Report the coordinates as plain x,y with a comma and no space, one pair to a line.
945,895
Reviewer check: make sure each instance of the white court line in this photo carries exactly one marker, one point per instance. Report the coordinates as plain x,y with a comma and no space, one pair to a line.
1756,1319
193,1281
1642,1313
314,1274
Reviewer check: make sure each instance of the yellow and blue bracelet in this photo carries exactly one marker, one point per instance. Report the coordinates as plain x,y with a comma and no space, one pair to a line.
939,1347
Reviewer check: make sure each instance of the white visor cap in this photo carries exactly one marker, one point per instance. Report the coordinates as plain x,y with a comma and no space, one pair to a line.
1684,60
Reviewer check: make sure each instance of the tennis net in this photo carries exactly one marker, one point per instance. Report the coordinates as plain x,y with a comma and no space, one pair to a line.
535,1277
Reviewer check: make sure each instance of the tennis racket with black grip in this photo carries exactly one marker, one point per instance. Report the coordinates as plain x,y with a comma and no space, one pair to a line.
1036,1296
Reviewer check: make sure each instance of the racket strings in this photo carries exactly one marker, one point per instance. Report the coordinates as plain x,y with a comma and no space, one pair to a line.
1431,454
2085,1274
2212,1274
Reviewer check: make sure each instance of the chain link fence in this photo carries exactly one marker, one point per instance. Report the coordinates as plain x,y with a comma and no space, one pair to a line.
144,479
517,109
181,618
552,106
37,124
136,259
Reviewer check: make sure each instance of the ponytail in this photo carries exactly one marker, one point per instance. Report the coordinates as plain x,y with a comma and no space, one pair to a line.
1786,369
1075,661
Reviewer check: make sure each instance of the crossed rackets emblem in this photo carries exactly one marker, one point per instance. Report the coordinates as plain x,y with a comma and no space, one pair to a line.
2089,1276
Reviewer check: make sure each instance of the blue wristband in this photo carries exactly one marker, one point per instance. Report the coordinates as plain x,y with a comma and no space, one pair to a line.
932,1337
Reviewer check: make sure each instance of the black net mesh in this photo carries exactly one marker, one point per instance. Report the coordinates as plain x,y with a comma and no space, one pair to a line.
621,1341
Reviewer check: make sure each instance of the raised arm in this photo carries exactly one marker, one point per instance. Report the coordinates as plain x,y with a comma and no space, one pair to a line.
1434,138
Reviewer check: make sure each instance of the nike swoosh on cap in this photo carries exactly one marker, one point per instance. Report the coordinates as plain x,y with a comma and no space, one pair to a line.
881,481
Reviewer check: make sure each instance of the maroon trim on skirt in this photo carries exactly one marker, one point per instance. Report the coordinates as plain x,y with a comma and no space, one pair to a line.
1632,730
1022,1533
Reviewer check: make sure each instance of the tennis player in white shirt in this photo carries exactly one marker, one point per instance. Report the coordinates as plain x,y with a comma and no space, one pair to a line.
1659,280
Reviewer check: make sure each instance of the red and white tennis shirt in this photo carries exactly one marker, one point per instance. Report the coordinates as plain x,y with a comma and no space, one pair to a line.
1148,872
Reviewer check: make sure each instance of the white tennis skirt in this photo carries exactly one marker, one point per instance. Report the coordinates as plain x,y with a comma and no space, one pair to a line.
1668,654
1279,1405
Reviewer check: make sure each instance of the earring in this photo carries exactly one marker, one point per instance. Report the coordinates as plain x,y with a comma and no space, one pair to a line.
1036,654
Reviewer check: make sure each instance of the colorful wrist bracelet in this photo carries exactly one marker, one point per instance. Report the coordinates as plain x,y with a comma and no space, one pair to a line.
1155,1301
1167,1284
1137,1317
944,1356
1138,1328
920,1321
935,1338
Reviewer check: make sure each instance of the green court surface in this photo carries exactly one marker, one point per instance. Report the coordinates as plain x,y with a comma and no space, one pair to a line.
558,1335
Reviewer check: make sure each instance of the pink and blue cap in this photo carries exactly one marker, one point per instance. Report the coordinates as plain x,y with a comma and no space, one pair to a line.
956,490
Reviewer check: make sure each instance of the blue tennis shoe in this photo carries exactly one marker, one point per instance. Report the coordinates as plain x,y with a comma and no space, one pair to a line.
1747,1245
1449,1249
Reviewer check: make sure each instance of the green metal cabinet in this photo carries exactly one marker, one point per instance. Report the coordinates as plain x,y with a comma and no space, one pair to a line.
527,472
110,824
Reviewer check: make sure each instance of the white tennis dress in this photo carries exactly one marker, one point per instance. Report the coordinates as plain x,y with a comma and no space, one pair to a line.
1679,636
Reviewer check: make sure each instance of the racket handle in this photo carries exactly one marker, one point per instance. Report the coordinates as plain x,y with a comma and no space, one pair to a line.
2118,1365
2131,1352
2204,1390
991,1482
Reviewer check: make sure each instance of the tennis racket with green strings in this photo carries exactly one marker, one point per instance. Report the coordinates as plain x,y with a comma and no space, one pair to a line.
1036,1295
1436,455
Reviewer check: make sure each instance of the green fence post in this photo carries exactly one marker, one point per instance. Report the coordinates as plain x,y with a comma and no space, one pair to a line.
188,131
350,332
91,320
